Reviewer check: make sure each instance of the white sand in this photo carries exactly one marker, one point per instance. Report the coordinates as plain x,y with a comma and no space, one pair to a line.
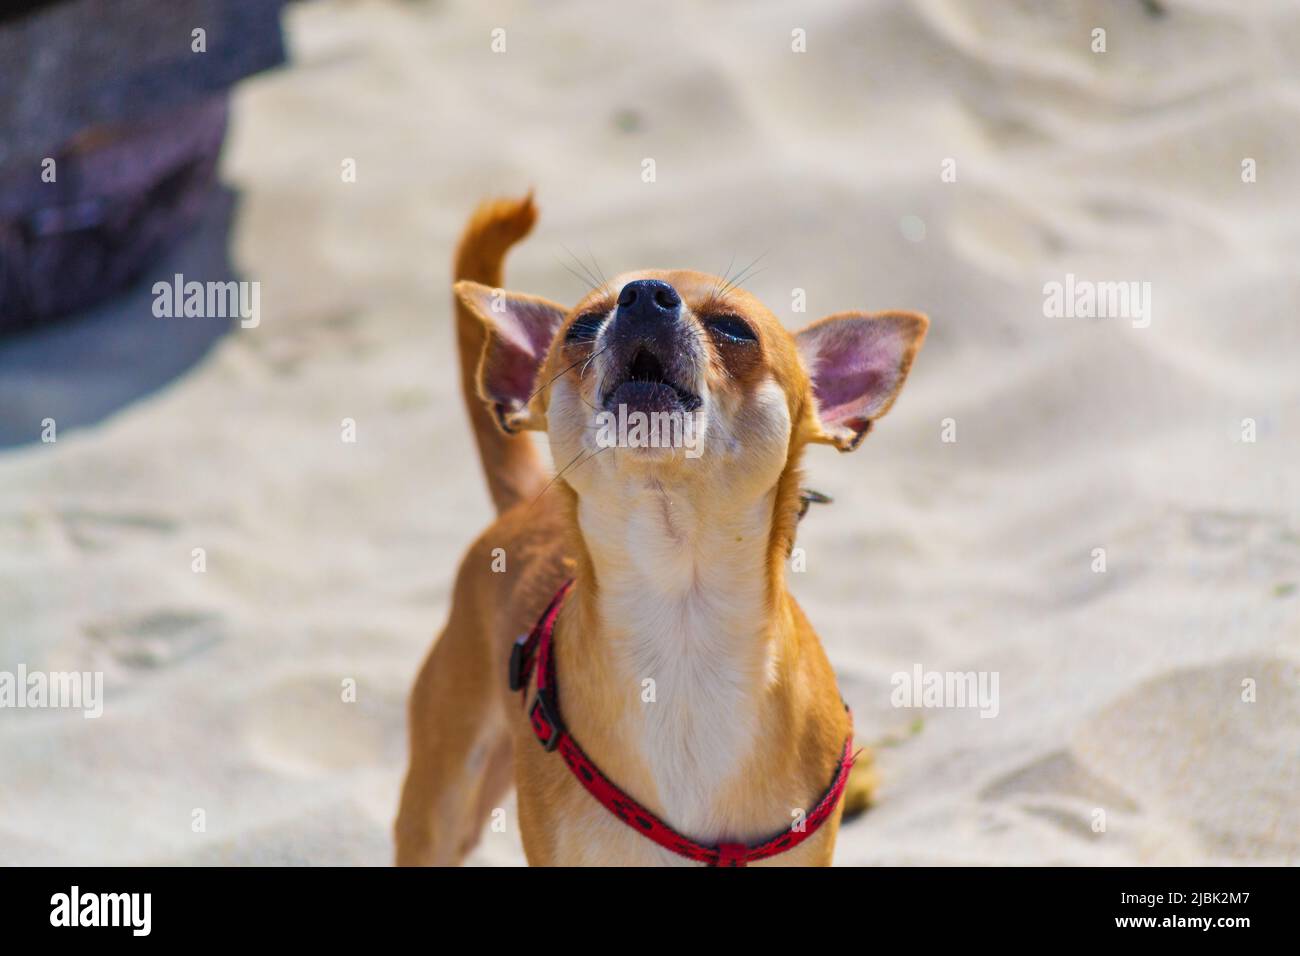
1120,691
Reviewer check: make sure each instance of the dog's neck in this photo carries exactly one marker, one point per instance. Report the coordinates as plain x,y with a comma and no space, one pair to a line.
684,614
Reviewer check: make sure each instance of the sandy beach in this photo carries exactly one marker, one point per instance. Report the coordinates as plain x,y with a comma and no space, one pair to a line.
916,156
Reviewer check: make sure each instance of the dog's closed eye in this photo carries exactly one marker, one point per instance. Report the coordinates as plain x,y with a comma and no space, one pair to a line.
584,328
731,328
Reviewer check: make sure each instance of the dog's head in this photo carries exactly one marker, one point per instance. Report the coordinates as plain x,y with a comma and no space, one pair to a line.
674,377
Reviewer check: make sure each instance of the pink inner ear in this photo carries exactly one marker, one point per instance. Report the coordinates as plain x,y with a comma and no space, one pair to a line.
531,326
855,369
844,382
509,374
524,334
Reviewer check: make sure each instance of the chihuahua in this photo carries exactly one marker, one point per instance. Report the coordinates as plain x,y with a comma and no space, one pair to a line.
711,729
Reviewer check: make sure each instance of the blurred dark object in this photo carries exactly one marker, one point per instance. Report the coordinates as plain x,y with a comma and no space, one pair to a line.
133,117
79,373
119,200
16,9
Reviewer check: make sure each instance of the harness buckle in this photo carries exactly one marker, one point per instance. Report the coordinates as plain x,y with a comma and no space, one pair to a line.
519,662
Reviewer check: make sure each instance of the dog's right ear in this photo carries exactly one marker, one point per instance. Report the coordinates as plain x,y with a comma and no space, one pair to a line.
519,331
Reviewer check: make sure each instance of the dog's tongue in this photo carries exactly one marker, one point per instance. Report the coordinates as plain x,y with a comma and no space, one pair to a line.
646,397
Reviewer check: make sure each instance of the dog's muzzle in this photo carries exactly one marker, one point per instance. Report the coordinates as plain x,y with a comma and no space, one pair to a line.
651,364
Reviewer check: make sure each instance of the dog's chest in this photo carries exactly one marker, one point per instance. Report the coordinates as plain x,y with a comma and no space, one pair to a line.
694,722
688,636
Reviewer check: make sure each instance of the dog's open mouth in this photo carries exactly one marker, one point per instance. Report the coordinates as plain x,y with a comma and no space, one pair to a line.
645,386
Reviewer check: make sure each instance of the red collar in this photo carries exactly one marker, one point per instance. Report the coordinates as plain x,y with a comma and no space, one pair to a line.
537,648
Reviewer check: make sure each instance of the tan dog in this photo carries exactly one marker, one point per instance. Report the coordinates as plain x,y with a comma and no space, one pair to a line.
690,676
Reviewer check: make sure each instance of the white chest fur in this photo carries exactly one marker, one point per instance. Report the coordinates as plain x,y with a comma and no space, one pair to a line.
682,597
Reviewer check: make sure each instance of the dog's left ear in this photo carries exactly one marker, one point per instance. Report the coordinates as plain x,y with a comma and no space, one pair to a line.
858,363
519,330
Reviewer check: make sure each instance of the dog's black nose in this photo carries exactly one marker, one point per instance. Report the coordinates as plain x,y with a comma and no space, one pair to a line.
649,299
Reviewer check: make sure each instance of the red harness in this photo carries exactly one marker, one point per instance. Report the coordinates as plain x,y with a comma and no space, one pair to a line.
537,648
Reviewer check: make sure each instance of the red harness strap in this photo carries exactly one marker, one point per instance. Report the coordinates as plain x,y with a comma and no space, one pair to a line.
536,648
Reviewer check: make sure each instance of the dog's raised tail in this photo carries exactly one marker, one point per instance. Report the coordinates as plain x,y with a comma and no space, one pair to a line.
511,464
